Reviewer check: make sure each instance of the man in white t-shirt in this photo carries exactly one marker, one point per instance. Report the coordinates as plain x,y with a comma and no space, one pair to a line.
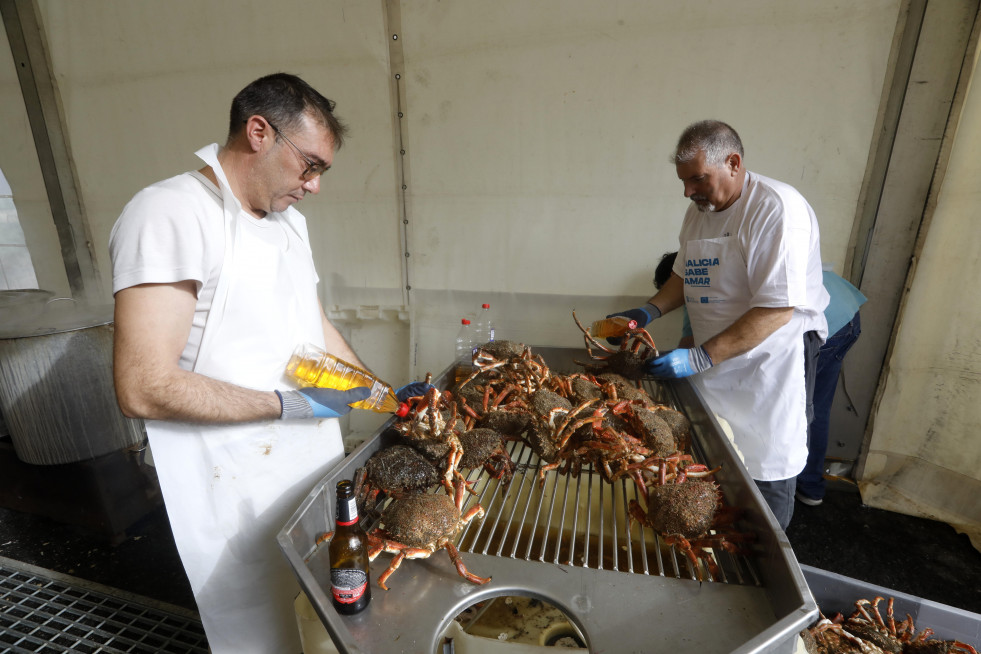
748,271
215,286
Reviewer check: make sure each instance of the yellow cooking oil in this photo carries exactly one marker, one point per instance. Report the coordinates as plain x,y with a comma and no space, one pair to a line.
615,326
312,366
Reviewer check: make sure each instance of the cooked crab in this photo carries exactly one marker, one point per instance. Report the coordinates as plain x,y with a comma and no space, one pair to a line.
630,360
484,447
417,525
393,470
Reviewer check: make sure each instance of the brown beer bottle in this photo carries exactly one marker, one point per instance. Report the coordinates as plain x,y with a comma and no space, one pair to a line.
349,581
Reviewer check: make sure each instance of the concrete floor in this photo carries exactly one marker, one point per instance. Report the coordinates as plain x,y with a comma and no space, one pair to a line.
923,558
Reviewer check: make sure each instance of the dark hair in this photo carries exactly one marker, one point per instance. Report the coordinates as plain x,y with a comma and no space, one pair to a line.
714,137
663,271
283,99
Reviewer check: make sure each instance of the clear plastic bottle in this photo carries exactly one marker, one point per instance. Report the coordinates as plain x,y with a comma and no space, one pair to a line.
615,326
483,326
312,366
464,350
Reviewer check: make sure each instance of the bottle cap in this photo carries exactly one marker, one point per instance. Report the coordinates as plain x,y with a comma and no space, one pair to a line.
464,322
403,410
485,306
632,324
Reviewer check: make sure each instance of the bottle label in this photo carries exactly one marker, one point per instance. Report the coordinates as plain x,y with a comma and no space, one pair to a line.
348,585
347,512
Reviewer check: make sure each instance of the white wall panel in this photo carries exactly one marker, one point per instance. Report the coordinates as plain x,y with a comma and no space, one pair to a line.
539,132
144,85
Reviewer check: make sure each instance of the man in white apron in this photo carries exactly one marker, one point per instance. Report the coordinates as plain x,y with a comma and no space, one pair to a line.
215,286
748,271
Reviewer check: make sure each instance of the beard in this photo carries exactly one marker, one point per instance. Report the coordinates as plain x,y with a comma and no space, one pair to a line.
702,204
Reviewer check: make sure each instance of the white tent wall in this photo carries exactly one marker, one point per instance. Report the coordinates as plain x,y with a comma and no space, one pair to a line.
539,136
924,456
21,168
536,138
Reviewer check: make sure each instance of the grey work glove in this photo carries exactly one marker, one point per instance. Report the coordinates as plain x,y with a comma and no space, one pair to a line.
319,402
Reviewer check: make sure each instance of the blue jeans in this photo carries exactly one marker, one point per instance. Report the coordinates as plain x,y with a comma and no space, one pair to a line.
810,481
779,496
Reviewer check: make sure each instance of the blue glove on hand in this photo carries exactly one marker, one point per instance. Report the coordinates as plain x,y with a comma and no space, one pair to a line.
413,389
643,315
319,402
680,363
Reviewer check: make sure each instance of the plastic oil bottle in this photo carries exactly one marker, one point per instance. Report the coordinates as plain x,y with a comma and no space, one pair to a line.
483,326
464,351
615,326
312,366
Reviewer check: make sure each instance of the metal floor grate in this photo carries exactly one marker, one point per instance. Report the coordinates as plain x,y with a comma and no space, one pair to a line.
43,611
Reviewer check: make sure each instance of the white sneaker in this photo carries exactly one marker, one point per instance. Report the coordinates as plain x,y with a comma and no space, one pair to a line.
809,501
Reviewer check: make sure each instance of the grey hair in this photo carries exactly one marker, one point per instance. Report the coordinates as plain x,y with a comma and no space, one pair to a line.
717,139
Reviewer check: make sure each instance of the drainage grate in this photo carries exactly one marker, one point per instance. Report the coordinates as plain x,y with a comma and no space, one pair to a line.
43,611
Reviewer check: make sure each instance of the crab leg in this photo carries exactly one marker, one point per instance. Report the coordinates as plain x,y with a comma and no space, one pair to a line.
461,568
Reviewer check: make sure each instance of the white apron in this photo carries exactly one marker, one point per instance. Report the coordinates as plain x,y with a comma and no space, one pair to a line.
760,393
229,489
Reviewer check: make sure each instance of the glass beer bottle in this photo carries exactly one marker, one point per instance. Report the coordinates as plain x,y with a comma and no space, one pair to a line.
348,550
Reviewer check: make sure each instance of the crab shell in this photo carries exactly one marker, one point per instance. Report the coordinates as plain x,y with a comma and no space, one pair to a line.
688,509
424,521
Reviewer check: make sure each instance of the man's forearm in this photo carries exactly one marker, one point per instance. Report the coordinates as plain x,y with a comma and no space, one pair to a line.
152,325
671,296
749,331
190,397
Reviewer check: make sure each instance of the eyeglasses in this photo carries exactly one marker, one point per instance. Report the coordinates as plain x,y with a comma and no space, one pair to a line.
313,169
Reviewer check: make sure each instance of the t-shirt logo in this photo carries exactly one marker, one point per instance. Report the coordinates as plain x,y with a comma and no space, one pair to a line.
698,272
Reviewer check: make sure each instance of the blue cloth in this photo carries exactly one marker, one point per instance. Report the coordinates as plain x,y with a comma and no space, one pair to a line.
845,301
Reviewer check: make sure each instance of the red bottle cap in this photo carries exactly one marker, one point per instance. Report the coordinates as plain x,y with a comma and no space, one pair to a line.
485,306
403,410
632,324
464,322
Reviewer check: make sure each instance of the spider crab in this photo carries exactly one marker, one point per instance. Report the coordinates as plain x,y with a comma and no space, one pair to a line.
431,427
417,525
636,348
602,444
393,470
685,510
868,631
483,447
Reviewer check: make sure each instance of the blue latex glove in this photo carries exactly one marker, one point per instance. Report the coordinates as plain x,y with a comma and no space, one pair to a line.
680,363
643,315
319,402
412,389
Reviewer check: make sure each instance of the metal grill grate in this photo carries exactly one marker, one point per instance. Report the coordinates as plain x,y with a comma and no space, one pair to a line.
580,521
39,613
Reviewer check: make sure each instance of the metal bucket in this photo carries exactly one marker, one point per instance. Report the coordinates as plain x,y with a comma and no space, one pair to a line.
56,386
